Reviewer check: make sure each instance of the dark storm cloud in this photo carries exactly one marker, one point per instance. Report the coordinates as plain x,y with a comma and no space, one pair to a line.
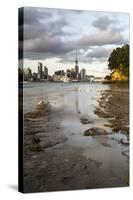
50,46
29,22
42,34
38,22
103,22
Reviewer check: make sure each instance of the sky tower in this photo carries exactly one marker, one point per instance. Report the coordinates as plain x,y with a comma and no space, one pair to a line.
76,64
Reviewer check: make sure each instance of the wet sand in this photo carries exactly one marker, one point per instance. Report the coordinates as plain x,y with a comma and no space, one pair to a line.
58,156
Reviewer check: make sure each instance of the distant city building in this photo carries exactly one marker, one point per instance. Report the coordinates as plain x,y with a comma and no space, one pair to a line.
90,78
34,75
40,67
42,75
71,75
98,79
45,72
27,74
60,73
68,73
76,66
40,72
74,75
72,70
56,78
83,75
65,78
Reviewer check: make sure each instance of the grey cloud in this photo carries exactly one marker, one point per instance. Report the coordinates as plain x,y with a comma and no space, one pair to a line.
41,22
38,22
103,22
33,31
95,55
87,60
33,15
36,56
101,38
53,45
45,36
56,27
99,52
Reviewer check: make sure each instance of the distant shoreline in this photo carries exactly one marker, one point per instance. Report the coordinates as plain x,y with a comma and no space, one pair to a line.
104,82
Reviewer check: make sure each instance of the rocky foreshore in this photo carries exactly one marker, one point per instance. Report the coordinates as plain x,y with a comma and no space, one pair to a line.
50,164
114,105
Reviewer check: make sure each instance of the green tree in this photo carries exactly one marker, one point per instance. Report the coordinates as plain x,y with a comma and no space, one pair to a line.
107,77
119,59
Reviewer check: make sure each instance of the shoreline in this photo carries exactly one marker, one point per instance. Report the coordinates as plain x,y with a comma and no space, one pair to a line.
104,81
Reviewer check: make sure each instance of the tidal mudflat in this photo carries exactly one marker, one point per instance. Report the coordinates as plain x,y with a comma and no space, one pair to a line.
78,138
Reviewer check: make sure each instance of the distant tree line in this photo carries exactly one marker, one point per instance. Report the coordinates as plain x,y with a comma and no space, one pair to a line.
118,61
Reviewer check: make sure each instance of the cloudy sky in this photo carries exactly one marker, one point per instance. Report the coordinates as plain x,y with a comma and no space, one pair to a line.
52,36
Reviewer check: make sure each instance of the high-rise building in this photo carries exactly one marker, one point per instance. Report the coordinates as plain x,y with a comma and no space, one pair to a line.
39,67
68,73
83,74
27,74
40,72
45,72
60,73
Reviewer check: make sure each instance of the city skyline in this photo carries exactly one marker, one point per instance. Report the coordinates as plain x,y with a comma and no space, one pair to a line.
69,75
52,36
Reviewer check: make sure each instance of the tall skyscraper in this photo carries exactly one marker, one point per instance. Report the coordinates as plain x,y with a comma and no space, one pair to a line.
76,65
45,72
83,74
39,67
27,74
40,72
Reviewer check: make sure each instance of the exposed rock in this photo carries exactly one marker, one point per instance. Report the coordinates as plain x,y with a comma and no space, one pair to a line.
41,110
95,131
35,140
41,103
122,141
84,120
114,105
106,144
36,147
